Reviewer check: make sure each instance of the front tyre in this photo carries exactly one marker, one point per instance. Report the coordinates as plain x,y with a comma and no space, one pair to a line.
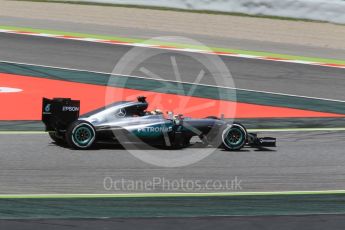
234,137
81,135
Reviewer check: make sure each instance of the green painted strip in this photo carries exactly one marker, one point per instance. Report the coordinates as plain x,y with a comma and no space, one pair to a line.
145,195
217,49
178,206
154,85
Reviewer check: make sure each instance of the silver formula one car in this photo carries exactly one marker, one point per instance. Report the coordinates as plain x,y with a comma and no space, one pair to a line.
130,122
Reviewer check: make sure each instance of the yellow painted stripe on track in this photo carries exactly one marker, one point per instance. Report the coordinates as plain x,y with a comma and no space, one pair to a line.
138,195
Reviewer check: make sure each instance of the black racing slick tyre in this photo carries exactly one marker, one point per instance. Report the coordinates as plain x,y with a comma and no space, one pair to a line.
234,137
80,135
57,138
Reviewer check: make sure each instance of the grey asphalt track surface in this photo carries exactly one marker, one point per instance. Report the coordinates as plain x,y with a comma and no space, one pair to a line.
306,80
147,33
313,222
302,161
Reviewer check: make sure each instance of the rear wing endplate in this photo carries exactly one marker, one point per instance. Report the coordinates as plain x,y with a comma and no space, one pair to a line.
59,113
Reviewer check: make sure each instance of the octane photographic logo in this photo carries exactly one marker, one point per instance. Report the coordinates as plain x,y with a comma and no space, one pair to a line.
175,81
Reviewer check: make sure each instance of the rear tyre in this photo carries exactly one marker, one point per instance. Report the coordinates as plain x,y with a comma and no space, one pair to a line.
59,140
234,137
81,135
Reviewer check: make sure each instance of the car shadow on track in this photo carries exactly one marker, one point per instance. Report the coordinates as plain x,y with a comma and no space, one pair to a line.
195,146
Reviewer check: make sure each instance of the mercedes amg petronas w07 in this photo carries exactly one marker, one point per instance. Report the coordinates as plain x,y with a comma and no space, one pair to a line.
130,122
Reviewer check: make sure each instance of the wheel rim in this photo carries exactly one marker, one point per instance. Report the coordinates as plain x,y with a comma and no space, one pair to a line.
234,137
83,135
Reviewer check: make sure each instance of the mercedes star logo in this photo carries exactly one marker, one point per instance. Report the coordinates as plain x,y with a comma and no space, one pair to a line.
121,113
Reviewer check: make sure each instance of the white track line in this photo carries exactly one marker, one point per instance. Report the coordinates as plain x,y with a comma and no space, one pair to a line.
182,82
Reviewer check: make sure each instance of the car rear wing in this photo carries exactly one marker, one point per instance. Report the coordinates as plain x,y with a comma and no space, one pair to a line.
59,113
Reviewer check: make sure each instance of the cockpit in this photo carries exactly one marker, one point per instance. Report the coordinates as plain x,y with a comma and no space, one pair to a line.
154,112
126,109
139,109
